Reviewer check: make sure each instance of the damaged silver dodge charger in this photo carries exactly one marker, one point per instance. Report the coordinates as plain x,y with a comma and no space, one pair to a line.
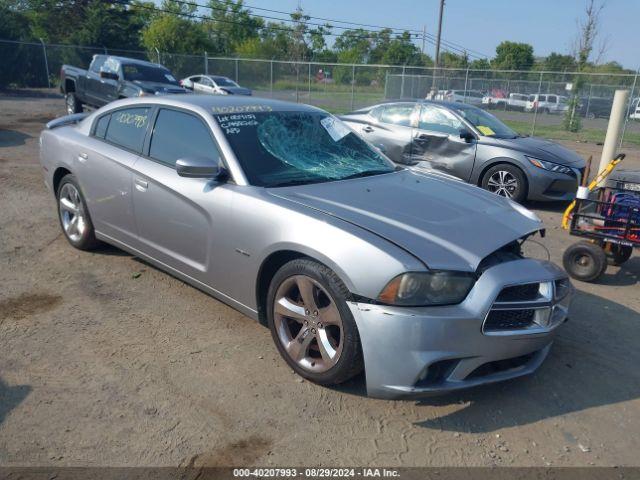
284,213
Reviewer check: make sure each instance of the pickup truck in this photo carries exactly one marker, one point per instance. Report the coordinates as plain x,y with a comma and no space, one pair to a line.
111,78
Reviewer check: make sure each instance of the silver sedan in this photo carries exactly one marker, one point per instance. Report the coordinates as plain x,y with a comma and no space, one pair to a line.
283,212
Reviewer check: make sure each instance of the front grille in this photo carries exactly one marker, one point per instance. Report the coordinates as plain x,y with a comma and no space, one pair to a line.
509,319
519,293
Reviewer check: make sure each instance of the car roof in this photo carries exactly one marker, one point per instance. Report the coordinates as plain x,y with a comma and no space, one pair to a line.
208,102
450,105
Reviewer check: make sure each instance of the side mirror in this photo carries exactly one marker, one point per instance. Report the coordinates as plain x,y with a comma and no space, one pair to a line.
467,136
108,75
199,167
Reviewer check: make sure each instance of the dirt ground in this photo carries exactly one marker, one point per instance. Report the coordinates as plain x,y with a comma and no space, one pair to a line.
105,360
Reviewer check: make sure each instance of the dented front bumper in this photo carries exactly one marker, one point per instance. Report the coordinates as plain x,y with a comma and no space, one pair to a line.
413,352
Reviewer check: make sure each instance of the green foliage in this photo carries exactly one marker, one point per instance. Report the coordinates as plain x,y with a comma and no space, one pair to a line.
513,56
230,26
480,64
557,62
451,60
168,32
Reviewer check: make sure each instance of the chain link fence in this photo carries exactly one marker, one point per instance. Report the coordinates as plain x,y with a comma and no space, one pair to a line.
531,102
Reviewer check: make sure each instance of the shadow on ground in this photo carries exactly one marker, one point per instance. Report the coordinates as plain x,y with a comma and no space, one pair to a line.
11,397
594,362
627,274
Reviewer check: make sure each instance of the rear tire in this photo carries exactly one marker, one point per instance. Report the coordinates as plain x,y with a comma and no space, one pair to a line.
74,216
585,261
311,324
619,254
507,181
73,104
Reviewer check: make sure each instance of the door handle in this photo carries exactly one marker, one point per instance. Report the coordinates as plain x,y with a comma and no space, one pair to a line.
83,157
141,185
368,129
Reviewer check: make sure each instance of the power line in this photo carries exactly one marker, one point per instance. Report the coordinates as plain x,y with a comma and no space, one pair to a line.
271,26
333,20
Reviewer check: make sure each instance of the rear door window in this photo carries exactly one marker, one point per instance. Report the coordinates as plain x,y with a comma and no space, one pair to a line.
127,128
179,135
552,99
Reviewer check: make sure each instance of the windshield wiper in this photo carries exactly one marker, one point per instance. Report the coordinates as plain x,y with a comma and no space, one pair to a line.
366,173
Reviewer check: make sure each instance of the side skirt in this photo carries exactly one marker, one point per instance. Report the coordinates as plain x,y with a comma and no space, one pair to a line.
250,312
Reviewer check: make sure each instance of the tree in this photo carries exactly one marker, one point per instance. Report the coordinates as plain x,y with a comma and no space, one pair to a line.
231,25
587,33
513,56
480,64
557,62
108,24
174,31
452,60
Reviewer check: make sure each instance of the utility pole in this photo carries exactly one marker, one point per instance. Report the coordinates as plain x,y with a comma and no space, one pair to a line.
424,34
437,59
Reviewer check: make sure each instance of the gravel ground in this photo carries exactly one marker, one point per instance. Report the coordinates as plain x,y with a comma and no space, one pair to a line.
105,360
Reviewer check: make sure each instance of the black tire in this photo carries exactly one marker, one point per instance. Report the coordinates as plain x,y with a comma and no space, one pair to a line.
519,191
585,261
84,239
591,116
350,362
619,254
73,104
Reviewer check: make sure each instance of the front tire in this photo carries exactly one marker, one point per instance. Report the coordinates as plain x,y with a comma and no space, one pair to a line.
507,181
311,323
74,216
585,261
73,104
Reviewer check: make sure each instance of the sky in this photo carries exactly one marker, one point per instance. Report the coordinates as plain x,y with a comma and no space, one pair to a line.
548,25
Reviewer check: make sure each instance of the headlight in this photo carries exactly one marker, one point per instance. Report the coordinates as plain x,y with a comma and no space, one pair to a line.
550,166
427,288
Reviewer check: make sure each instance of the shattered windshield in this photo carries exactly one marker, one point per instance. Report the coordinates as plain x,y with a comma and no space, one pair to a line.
289,148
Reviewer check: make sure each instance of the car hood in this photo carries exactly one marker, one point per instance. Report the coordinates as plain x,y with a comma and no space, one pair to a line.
445,223
162,88
236,90
539,148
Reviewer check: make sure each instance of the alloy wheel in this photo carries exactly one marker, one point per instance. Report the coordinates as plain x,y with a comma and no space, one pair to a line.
308,323
503,183
72,212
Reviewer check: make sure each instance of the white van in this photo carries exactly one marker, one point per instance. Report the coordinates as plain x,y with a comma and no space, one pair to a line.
547,103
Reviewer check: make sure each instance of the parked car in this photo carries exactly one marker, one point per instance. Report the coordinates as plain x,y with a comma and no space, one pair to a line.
595,107
280,210
490,102
472,97
635,109
517,101
471,144
547,103
213,84
110,78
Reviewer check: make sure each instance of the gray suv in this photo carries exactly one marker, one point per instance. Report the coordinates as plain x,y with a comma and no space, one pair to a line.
471,144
